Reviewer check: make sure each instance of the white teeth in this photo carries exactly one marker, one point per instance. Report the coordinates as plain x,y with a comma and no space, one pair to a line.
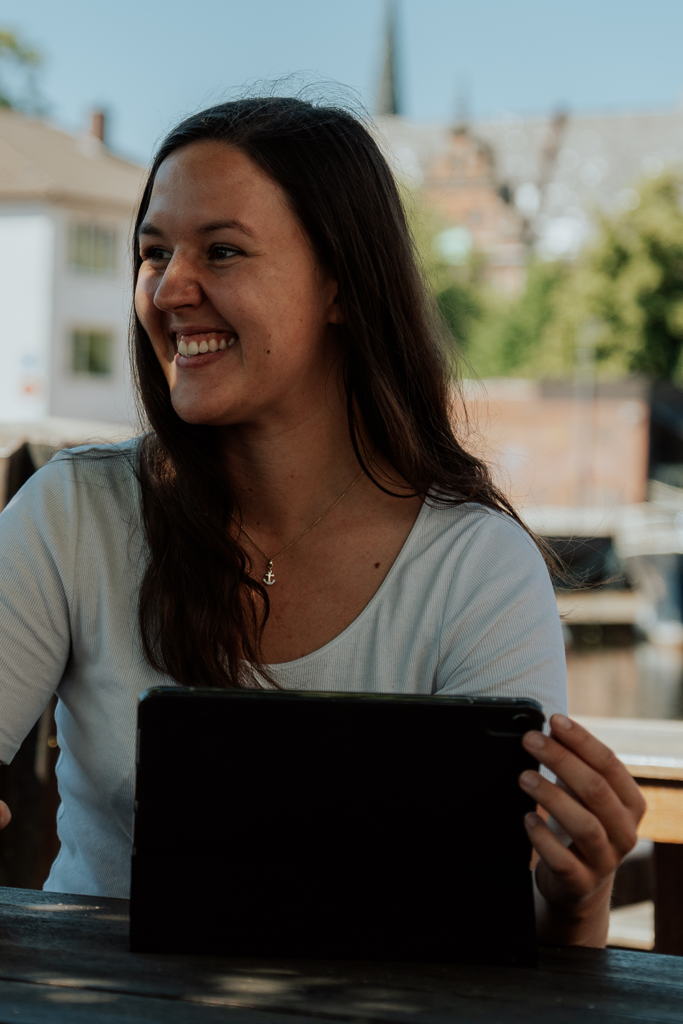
193,348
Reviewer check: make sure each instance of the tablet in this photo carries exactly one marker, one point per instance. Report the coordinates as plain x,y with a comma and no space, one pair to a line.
345,826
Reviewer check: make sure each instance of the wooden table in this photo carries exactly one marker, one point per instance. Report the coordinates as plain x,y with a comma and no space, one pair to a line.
65,960
652,750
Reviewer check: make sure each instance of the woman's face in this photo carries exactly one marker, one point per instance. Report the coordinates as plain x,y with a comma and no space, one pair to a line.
230,292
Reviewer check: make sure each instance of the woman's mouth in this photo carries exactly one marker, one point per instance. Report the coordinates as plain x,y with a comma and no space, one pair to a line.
208,341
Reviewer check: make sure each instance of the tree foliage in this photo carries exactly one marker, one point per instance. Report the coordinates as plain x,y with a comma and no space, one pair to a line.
630,283
18,66
457,287
506,339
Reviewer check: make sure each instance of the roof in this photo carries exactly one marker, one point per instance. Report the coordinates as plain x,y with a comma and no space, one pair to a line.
37,161
599,160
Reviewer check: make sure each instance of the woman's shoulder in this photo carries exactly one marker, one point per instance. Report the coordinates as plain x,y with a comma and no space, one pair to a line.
93,466
92,460
461,555
99,475
474,527
83,501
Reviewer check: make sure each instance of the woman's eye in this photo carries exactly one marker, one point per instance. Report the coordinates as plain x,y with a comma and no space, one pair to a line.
155,254
222,252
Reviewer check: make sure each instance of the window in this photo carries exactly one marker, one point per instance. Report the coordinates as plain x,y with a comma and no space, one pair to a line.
92,248
91,353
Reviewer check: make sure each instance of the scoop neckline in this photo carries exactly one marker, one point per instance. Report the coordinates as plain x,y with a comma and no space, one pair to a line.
366,611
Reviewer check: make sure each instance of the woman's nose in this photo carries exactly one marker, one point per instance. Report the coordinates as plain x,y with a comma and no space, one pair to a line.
179,285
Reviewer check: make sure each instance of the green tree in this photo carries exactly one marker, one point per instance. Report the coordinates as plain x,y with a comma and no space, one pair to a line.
506,339
18,66
455,286
460,306
630,283
497,336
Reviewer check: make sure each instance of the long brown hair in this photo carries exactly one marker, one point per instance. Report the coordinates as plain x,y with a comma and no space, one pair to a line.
201,613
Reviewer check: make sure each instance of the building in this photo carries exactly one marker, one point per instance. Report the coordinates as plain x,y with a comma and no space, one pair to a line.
66,206
596,469
513,185
553,174
460,181
559,449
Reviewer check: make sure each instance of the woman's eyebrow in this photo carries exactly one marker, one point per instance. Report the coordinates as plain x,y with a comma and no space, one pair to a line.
147,228
221,225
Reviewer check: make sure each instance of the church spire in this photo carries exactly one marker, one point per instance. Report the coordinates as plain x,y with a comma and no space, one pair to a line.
389,102
462,106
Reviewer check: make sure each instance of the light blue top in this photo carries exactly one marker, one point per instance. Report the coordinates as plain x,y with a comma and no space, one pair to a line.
467,608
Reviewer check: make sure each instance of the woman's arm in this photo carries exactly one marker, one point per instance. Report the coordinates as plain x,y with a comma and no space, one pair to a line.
501,637
37,549
599,805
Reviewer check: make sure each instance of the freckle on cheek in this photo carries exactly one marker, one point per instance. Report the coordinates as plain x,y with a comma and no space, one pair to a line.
376,565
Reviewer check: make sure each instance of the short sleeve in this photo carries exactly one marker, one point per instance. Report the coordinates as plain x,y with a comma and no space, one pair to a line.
38,540
501,634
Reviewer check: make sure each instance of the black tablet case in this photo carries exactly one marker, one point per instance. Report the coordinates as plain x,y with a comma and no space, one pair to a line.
346,826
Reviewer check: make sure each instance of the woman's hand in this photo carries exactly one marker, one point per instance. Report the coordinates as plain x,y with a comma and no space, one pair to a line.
5,814
599,805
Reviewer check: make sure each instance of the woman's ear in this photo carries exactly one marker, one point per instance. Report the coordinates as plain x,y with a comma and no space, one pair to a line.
334,315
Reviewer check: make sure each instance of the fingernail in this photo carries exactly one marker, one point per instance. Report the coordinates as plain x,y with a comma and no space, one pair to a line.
532,820
560,722
530,779
535,740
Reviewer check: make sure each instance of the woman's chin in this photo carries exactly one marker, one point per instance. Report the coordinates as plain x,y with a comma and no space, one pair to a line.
201,415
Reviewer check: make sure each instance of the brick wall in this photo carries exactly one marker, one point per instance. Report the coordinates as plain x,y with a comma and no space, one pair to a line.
549,448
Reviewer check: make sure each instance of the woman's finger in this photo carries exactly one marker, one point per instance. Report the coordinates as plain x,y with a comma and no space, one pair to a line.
599,756
586,787
5,814
563,863
588,834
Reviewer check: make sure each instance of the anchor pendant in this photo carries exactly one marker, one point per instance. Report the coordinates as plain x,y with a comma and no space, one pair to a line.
269,578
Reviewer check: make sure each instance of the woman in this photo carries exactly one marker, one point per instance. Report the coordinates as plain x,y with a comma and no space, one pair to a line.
301,513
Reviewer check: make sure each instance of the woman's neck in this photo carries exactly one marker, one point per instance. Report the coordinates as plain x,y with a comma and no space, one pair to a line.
284,475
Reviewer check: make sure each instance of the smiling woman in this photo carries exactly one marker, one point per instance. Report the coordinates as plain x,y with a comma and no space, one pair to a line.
301,513
254,265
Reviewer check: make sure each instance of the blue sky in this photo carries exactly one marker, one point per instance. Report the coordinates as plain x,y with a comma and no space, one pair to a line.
150,62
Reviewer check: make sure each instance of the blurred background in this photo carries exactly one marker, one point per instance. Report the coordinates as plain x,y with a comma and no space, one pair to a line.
540,150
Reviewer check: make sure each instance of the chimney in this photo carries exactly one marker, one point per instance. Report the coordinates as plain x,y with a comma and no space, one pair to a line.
98,125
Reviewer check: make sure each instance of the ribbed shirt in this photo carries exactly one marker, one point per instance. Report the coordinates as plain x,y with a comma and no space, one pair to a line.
466,609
